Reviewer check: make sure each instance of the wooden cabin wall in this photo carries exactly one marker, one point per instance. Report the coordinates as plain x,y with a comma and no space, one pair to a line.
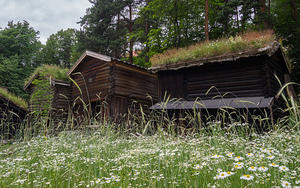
94,76
38,103
134,83
131,85
273,67
172,84
11,118
61,101
239,79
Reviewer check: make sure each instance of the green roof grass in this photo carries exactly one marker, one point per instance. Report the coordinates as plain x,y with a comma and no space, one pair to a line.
243,42
11,97
52,71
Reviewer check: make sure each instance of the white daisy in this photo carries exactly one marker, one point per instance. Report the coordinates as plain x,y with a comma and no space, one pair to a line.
230,154
262,169
271,157
284,168
238,166
274,165
246,177
286,184
230,173
238,158
216,156
222,175
249,154
252,168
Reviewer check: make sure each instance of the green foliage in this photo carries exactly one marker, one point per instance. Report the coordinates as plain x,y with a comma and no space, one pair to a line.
47,71
19,46
287,27
60,49
19,39
41,98
12,75
104,27
13,98
42,95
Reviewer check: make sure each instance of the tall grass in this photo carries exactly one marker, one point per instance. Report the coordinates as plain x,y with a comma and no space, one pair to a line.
243,42
155,149
14,99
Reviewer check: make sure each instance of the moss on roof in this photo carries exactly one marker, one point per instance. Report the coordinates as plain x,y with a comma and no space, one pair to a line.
240,43
14,99
52,71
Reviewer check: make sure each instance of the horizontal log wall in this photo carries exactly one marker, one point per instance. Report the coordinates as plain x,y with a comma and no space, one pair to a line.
134,83
236,79
94,76
61,102
245,78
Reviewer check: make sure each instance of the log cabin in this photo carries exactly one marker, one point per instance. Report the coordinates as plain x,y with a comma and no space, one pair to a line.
12,112
57,91
242,80
98,78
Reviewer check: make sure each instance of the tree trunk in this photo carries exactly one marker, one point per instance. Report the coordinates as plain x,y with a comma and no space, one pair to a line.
176,24
263,15
237,18
294,10
206,20
147,28
130,31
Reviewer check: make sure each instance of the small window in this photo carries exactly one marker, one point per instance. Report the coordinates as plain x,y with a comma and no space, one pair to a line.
90,80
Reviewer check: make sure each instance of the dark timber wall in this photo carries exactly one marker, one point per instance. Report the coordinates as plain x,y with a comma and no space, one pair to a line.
117,83
61,102
247,77
93,79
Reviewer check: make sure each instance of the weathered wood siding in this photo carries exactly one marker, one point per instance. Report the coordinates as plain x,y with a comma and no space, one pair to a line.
245,78
39,103
131,84
61,101
134,83
119,84
93,80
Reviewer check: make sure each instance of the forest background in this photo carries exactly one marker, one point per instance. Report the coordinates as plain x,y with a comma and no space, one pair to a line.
135,30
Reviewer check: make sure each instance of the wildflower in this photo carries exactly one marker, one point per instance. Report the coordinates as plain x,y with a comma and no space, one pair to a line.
297,182
197,167
252,168
262,169
246,177
239,163
229,173
238,166
274,165
249,154
285,184
216,156
238,158
230,154
283,168
222,175
271,157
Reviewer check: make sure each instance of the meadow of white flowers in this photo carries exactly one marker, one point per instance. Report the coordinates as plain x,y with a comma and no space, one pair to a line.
74,159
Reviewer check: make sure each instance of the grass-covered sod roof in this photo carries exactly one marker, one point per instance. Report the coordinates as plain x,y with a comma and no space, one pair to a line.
232,45
55,72
12,98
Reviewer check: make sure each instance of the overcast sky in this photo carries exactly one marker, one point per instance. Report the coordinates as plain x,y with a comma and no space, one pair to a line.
46,16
